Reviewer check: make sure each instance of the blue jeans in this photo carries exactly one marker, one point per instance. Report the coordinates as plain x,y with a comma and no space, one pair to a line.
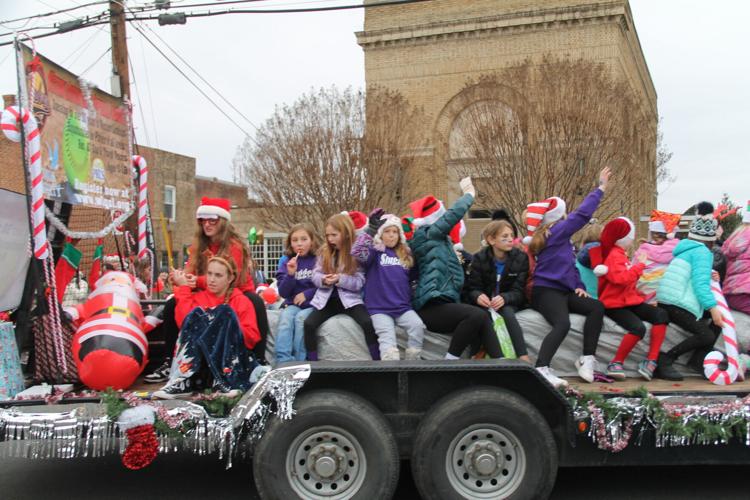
290,335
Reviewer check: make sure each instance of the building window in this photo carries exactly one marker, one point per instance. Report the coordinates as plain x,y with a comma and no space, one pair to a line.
170,199
267,254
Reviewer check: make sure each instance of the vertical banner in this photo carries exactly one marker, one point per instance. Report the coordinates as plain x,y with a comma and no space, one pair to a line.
84,135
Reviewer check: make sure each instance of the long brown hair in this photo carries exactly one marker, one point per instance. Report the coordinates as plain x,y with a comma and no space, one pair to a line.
339,260
539,240
310,230
227,262
200,254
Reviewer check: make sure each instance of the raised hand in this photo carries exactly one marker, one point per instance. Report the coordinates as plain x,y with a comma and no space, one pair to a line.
604,178
375,221
467,187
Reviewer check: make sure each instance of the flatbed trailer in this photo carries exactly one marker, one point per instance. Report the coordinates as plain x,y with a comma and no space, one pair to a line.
470,429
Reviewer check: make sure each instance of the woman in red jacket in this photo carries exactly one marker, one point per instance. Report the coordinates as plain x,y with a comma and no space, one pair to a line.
217,327
215,235
623,303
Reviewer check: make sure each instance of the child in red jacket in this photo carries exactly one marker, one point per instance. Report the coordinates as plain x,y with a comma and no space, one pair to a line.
622,301
218,330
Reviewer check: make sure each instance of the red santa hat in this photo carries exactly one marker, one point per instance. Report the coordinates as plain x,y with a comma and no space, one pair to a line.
359,220
663,222
426,210
543,212
457,234
620,232
213,208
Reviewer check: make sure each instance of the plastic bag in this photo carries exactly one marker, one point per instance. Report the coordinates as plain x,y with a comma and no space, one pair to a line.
506,344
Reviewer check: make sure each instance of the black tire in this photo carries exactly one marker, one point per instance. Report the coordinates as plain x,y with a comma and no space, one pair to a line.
331,429
484,428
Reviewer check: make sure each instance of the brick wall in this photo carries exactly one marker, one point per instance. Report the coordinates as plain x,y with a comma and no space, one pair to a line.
430,51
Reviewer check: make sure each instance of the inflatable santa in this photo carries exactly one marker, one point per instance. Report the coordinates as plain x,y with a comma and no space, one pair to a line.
110,346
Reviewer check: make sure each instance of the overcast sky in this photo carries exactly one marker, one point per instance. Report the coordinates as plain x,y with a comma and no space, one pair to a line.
696,53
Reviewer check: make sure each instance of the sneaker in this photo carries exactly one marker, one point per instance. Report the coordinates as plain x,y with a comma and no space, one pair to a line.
225,390
553,379
646,368
179,389
413,353
616,370
665,369
390,354
586,366
159,375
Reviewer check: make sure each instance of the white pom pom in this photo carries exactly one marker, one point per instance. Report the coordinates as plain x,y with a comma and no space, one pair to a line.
526,240
458,247
600,270
136,416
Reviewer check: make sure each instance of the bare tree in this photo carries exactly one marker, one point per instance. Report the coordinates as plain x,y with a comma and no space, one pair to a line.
563,122
664,176
330,151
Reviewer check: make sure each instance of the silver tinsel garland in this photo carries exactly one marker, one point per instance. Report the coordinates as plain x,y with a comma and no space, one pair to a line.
675,422
86,431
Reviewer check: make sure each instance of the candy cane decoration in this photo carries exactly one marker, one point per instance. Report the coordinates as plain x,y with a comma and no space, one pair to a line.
9,123
139,162
729,334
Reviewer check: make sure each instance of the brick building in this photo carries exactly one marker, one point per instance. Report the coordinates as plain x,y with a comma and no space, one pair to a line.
429,51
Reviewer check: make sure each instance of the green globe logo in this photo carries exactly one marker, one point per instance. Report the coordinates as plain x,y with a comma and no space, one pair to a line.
75,151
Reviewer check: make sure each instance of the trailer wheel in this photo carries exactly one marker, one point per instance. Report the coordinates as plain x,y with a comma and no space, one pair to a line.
337,446
484,443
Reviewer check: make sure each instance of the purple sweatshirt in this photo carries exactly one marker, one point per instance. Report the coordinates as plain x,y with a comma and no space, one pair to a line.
387,282
301,282
555,264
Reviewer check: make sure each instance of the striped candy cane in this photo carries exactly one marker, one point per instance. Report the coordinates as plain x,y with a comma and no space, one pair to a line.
139,162
11,116
729,334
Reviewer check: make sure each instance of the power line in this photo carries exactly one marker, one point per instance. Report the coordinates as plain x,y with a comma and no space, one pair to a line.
203,79
138,97
94,63
191,81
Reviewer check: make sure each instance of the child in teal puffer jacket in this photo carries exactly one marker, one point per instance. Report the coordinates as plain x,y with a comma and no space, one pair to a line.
685,293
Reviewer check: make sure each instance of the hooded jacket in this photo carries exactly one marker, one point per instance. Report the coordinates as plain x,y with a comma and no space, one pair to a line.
441,276
687,280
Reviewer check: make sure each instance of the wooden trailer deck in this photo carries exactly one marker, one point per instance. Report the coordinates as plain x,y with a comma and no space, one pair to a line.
694,384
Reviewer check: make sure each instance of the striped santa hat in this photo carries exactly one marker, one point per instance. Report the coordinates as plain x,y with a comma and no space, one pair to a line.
541,213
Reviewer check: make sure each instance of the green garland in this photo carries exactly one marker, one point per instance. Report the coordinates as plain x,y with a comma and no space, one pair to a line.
674,424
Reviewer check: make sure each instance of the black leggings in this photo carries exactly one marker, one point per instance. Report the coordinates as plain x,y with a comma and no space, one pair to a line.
172,331
631,318
467,324
334,306
703,334
556,305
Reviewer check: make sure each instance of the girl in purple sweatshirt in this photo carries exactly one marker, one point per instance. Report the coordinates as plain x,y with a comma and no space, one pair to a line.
294,278
389,266
339,279
558,289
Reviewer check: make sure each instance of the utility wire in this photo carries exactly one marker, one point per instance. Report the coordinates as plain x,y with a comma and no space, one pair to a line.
94,63
203,79
208,98
134,83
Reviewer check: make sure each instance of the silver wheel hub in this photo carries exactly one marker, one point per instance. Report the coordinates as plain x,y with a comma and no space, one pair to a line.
325,462
485,461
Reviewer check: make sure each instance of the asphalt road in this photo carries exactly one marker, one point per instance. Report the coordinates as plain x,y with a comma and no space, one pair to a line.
187,476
